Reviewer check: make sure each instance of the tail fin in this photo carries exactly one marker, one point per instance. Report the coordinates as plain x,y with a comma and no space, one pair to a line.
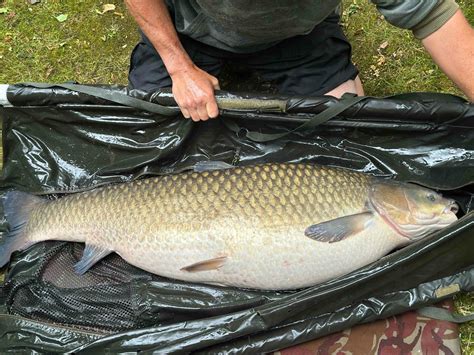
17,207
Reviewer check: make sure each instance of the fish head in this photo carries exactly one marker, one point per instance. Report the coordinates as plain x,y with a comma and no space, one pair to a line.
413,211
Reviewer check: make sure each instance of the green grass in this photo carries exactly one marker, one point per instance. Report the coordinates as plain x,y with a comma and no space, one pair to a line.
92,48
403,66
465,305
87,47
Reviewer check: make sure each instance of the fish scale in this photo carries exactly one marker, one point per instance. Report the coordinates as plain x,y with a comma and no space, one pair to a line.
245,226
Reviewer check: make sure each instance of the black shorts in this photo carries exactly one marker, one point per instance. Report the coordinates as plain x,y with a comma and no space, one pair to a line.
311,64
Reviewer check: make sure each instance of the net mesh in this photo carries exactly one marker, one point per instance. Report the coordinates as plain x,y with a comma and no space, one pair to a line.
101,299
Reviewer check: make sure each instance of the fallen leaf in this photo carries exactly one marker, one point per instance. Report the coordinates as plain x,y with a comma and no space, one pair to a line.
381,60
383,45
48,72
33,2
61,18
375,71
106,8
3,10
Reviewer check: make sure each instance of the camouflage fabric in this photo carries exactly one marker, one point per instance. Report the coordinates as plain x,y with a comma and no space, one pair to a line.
408,333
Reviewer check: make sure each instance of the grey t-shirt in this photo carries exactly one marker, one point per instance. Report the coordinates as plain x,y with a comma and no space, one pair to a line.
252,25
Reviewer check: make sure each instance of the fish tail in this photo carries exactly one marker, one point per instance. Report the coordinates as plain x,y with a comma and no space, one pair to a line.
17,207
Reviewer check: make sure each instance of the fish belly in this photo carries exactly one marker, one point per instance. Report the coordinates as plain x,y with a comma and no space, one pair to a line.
273,261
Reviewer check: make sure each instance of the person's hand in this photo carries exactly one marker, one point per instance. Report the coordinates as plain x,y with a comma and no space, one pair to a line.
193,91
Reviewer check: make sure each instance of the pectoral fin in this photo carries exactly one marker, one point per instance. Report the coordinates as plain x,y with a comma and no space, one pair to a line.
91,255
339,229
206,265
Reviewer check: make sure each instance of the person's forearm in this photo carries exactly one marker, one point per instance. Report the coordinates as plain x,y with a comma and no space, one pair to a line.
154,19
452,48
193,88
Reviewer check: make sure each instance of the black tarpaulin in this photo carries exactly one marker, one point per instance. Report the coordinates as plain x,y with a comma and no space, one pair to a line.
56,141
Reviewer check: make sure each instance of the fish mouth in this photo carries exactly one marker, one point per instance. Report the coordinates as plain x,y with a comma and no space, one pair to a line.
452,208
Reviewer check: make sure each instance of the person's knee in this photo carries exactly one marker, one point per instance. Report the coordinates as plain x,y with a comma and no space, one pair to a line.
350,86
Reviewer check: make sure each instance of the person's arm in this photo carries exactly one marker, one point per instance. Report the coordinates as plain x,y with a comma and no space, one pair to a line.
193,88
444,32
452,48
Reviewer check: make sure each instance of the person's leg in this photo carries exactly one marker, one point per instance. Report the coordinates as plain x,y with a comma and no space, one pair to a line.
350,86
148,73
318,63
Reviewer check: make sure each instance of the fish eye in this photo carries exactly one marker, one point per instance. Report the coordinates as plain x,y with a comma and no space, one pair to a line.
431,197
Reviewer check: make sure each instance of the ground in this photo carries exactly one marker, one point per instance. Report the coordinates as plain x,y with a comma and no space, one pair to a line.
90,41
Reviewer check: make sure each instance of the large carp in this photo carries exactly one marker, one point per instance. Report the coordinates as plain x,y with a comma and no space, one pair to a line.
271,226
